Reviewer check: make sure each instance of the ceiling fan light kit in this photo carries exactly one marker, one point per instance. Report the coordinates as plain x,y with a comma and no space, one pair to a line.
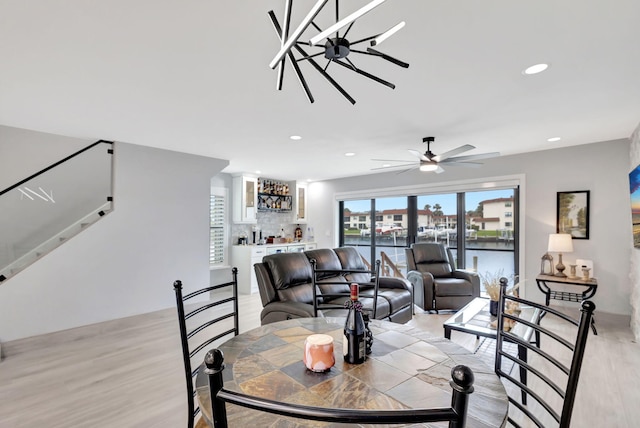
334,44
428,166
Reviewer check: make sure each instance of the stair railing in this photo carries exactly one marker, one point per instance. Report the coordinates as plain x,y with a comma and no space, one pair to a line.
47,208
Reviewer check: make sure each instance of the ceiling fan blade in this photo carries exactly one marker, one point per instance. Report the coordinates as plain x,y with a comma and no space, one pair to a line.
473,157
453,152
392,160
406,170
471,164
394,166
418,155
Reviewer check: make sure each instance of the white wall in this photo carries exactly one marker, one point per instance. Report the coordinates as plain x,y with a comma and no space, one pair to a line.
601,168
126,263
26,152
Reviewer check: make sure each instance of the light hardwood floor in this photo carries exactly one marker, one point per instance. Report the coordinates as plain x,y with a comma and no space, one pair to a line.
128,373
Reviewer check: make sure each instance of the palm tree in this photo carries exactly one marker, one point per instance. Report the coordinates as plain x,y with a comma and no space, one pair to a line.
437,210
427,207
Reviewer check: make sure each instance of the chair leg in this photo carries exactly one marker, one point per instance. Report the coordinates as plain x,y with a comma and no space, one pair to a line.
522,355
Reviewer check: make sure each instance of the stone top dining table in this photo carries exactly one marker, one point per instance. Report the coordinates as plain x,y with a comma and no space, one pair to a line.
407,368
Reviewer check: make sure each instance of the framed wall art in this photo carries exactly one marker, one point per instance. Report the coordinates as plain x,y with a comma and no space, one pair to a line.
573,214
634,190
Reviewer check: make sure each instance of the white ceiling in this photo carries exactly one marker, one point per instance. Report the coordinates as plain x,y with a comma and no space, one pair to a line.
193,76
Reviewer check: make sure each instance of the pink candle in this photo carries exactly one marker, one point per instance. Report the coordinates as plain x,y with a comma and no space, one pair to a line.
318,352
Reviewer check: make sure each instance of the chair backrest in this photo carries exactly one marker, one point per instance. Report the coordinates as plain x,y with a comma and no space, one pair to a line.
205,316
291,276
555,360
331,280
350,259
430,257
456,414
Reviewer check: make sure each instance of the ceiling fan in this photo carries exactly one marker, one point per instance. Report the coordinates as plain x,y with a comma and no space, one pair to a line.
430,162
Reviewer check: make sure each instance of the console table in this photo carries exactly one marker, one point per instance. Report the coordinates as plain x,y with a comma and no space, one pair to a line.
590,285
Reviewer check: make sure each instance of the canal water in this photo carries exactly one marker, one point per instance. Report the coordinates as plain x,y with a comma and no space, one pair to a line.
488,258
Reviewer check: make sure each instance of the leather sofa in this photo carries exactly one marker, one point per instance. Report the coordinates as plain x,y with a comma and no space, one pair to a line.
437,284
286,282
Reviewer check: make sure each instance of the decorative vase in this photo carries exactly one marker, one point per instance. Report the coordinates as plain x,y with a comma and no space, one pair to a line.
493,307
318,353
573,271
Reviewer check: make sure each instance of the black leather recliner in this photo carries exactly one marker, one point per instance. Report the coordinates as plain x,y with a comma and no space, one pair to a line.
285,282
437,284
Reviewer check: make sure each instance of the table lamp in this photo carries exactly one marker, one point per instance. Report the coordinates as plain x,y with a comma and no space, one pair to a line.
560,243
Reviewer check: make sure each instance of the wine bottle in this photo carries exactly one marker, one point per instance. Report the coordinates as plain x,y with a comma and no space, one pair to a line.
353,343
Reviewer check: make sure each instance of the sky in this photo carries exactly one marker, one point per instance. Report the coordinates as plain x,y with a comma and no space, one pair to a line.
447,201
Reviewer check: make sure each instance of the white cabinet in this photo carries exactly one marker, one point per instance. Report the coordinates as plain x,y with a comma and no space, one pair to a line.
301,203
245,199
275,249
245,256
296,248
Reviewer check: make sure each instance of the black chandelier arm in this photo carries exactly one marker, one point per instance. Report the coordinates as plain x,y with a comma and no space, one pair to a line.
326,75
310,56
301,78
294,63
383,56
366,39
316,27
351,64
365,74
344,36
284,33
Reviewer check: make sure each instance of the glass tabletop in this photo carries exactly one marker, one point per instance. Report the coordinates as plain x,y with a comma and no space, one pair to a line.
475,318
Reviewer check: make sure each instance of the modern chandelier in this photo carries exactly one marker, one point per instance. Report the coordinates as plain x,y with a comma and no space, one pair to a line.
333,44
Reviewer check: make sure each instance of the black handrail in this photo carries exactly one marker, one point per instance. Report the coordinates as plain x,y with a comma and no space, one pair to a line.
53,165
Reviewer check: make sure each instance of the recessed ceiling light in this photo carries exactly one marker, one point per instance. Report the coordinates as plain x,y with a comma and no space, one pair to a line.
258,172
552,139
386,165
349,154
296,137
535,69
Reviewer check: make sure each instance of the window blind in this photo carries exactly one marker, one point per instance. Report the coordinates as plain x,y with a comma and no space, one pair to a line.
216,238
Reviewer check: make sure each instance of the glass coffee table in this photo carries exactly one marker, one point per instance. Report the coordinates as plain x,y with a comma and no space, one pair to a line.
476,319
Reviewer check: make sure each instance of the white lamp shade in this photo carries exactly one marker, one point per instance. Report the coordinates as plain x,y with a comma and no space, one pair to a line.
560,243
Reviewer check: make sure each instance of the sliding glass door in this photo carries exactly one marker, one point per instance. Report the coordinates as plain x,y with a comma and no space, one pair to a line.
479,226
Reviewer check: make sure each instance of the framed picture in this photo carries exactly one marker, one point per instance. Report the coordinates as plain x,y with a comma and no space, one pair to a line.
634,190
573,214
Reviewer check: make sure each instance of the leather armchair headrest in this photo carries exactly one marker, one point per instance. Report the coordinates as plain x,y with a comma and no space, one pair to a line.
288,269
350,258
432,258
326,259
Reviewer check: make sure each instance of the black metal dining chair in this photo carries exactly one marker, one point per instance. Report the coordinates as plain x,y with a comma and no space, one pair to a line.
555,364
205,316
